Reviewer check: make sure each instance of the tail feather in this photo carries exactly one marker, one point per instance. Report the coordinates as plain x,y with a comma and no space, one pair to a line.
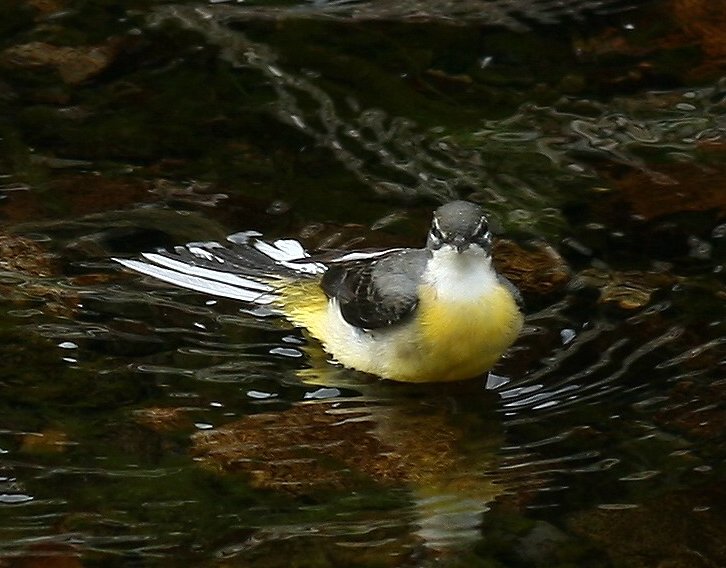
251,270
199,284
206,273
290,254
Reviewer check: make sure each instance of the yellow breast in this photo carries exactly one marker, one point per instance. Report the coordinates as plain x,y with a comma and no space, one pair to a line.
445,340
463,339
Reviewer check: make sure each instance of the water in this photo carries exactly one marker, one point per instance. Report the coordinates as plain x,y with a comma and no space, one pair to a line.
147,426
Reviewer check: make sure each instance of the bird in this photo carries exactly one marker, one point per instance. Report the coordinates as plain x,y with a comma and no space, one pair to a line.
432,314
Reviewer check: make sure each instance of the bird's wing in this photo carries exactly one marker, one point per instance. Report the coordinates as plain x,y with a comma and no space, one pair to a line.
379,291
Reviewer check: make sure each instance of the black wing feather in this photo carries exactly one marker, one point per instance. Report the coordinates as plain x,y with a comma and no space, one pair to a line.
376,293
232,258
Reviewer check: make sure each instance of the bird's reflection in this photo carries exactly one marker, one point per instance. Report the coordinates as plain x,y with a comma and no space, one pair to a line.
438,442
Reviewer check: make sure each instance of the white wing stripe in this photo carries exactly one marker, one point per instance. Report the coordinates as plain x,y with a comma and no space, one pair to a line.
272,251
205,273
292,248
202,253
198,284
361,255
289,253
305,267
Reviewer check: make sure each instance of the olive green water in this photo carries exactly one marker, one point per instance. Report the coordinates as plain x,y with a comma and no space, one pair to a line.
142,425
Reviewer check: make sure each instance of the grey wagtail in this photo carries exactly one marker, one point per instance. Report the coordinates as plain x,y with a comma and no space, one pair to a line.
439,313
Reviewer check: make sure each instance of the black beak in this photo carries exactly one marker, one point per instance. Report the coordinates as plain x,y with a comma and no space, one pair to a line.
461,244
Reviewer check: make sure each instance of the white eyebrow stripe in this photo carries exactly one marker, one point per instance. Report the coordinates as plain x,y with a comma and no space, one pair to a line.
479,225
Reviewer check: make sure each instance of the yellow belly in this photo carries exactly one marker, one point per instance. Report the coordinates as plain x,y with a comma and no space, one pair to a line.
460,340
444,341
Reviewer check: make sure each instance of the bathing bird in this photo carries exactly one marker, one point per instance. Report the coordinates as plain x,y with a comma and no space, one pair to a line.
436,313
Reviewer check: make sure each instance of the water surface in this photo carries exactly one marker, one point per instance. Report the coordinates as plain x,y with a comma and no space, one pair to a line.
142,425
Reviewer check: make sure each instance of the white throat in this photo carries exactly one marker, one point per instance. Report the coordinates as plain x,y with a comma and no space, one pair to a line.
460,277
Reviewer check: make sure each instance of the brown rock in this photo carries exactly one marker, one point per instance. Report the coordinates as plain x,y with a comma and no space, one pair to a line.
538,270
690,187
162,419
705,21
314,446
673,530
627,290
18,254
74,64
46,7
48,441
694,409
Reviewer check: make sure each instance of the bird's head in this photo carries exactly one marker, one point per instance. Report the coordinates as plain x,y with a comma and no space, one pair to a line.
460,225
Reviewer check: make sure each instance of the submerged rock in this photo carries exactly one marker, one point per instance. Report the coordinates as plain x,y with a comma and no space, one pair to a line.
74,64
627,290
680,529
538,269
25,256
